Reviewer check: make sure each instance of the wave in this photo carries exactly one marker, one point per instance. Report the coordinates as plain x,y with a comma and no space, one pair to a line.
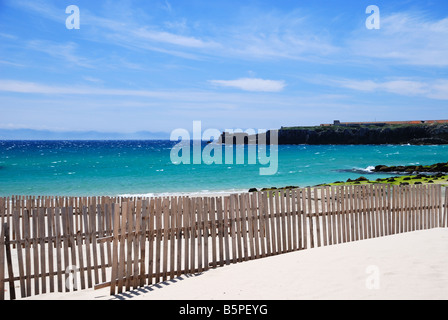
368,170
202,193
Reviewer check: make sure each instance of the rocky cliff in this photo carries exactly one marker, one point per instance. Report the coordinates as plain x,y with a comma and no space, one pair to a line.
424,134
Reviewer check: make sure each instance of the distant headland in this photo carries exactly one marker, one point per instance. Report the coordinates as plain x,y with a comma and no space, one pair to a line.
421,132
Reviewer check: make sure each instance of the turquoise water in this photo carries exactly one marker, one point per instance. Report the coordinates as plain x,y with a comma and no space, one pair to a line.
78,168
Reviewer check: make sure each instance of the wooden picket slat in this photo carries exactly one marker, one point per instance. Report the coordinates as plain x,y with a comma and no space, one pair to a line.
305,211
109,228
445,211
440,205
317,216
271,214
278,213
263,232
228,230
267,224
101,212
51,245
284,233
41,242
205,228
2,261
200,229
88,237
92,232
193,234
255,217
234,207
178,224
348,209
247,220
129,240
72,244
142,237
35,239
325,211
333,215
122,238
294,219
81,259
17,231
58,247
237,218
288,233
136,240
214,227
187,231
166,223
222,232
116,237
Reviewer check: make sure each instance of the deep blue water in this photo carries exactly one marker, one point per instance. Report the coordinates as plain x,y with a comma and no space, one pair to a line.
145,167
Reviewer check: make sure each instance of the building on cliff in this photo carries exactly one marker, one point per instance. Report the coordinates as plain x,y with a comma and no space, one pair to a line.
380,123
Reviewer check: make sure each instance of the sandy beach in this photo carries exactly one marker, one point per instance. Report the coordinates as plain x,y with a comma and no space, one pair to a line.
403,266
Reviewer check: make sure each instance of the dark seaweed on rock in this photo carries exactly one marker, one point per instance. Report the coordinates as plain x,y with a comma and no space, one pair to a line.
435,168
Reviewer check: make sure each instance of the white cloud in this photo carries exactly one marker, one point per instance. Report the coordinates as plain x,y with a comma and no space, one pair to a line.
170,38
433,89
92,79
64,105
252,84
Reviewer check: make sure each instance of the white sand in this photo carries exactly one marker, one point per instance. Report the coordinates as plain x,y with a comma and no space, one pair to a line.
409,266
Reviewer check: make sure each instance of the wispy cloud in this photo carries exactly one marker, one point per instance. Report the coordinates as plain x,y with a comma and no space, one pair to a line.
277,35
267,35
433,89
92,79
167,6
42,8
405,38
64,51
252,84
272,35
170,38
10,63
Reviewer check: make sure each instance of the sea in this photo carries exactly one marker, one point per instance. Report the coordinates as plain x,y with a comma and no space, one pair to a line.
147,168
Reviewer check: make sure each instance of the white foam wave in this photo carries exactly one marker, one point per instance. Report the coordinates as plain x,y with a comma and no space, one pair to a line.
201,193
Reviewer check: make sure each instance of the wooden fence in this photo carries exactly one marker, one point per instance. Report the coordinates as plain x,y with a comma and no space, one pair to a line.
62,244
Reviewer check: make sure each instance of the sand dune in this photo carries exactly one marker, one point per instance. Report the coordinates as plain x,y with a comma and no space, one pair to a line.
404,266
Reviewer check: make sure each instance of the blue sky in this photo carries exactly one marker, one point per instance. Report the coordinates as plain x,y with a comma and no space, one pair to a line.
157,65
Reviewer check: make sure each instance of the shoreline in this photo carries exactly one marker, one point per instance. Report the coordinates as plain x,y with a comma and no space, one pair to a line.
400,180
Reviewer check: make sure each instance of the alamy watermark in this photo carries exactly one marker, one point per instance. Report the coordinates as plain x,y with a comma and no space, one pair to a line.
73,21
226,148
373,279
71,278
373,21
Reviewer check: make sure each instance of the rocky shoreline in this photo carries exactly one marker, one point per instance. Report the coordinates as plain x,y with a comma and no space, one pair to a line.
435,168
414,175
